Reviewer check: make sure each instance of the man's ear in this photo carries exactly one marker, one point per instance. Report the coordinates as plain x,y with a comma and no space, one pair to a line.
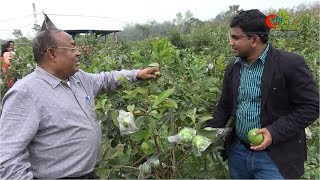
51,53
255,40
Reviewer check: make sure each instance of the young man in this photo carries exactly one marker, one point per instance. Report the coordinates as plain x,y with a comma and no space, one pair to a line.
269,89
48,122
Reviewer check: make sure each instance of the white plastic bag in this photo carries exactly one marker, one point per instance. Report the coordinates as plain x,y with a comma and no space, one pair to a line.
185,135
200,144
126,123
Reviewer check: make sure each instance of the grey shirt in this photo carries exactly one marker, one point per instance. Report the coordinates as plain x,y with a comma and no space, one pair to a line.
49,129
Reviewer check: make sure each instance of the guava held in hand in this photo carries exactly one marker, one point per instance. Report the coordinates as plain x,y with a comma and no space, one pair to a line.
255,139
158,74
186,135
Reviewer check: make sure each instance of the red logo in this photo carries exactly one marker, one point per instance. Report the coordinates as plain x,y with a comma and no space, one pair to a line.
282,22
270,21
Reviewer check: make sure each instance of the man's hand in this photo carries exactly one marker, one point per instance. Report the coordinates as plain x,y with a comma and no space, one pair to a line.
148,73
267,140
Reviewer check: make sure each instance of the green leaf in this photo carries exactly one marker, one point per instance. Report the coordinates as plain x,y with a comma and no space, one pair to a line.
155,114
152,123
165,52
131,107
137,55
167,74
102,172
212,135
98,106
117,151
169,103
141,90
193,116
127,97
146,148
113,114
142,134
154,56
162,97
123,159
154,65
182,115
165,119
140,121
103,102
204,118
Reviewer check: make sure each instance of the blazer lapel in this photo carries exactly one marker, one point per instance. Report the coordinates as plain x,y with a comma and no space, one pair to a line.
235,84
267,75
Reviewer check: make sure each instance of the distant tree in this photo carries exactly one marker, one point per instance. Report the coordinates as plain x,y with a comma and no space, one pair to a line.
177,39
145,29
185,23
17,33
179,19
36,27
196,22
226,15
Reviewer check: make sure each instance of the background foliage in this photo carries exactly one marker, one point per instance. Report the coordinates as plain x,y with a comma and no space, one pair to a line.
192,55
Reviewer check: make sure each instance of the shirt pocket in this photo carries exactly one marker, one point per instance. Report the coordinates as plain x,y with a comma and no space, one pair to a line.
88,106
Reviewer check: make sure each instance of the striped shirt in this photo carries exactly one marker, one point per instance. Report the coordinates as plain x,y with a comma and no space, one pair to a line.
249,95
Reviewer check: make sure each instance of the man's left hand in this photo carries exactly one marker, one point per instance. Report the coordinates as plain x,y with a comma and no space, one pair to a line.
267,140
148,73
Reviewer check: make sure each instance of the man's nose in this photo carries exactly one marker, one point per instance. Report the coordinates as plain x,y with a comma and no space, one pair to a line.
78,52
231,42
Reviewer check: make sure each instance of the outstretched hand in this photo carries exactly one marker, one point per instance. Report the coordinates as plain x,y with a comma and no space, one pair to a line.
148,73
267,140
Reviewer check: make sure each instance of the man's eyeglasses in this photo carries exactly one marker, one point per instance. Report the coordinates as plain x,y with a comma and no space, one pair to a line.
74,49
71,49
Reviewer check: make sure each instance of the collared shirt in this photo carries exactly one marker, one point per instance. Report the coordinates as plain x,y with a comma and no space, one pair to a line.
249,95
49,128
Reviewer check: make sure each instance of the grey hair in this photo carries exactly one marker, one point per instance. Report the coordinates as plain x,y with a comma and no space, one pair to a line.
44,40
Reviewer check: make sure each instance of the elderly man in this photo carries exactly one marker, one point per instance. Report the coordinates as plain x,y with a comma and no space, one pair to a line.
48,122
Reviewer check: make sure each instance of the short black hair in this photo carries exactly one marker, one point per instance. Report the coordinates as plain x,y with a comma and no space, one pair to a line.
43,40
252,22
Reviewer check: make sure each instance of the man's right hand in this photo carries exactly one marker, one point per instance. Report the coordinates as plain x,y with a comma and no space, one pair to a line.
148,73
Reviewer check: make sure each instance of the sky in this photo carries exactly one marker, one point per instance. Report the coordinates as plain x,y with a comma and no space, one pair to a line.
18,14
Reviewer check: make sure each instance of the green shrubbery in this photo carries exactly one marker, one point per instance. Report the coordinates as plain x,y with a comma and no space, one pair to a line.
182,96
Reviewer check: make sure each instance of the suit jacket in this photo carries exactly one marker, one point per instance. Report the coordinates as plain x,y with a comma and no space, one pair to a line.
289,103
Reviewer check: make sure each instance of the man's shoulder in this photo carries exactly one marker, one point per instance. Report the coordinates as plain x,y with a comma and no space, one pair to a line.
288,57
288,54
80,75
26,84
30,78
231,63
